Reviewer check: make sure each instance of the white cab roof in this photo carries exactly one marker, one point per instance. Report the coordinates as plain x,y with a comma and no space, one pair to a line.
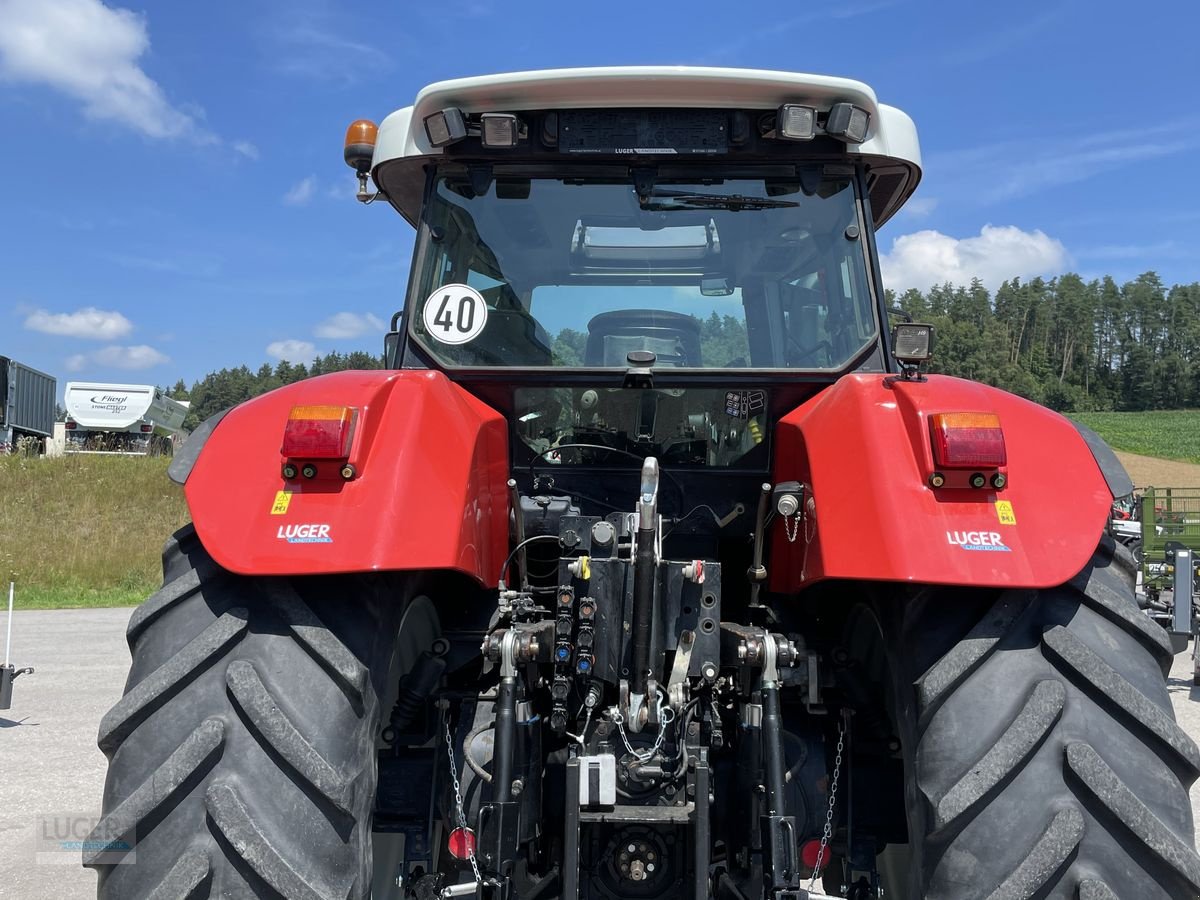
402,134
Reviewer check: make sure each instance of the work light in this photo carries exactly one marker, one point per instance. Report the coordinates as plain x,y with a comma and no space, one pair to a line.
796,123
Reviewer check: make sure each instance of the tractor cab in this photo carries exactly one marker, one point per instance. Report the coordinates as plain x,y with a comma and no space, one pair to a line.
652,261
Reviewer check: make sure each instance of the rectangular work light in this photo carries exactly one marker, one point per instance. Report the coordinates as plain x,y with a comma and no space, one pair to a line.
847,122
796,123
318,432
499,130
446,127
912,343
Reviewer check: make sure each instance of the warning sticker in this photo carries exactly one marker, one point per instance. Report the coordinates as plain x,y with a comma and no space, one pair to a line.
283,499
455,314
1004,512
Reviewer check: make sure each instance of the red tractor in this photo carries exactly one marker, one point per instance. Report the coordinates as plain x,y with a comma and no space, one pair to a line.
652,565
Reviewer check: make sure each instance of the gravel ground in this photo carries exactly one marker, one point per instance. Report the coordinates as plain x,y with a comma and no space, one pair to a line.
52,775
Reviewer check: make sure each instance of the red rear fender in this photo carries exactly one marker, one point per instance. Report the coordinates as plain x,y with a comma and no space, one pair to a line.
431,463
863,446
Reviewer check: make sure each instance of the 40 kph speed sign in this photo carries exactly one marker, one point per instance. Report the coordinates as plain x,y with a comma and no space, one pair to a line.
455,314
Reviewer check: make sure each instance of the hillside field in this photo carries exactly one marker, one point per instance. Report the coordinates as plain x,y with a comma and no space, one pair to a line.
88,530
1167,434
85,530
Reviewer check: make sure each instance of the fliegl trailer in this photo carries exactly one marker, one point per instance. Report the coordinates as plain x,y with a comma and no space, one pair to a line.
135,419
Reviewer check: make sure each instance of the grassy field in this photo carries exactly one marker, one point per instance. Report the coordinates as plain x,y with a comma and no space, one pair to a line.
1169,434
85,530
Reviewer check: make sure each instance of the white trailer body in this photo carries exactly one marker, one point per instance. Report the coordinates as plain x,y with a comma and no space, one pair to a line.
121,418
26,404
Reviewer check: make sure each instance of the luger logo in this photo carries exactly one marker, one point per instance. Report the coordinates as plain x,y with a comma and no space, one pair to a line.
305,534
977,540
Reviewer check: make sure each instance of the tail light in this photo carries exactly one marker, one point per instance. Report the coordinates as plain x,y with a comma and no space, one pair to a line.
461,843
318,432
967,440
71,426
811,853
146,429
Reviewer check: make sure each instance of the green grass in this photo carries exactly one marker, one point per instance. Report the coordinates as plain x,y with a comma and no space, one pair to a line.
85,530
1169,434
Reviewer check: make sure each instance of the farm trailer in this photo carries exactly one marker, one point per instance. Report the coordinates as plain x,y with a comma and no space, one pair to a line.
1169,552
135,419
27,399
652,567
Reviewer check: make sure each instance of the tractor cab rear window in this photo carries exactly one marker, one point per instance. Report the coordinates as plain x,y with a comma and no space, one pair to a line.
712,272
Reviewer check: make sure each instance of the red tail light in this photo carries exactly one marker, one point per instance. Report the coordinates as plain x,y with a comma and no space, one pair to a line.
318,432
71,426
461,843
146,429
809,853
967,440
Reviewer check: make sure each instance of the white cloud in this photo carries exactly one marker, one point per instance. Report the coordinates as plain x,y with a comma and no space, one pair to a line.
90,52
89,322
925,258
919,207
301,192
292,350
246,149
349,325
139,356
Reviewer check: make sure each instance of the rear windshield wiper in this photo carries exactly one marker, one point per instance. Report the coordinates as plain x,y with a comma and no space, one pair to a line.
663,200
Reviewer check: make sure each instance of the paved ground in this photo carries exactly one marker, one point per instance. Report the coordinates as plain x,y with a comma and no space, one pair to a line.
52,775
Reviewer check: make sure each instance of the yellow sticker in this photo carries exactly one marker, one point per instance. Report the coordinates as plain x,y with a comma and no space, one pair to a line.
1004,512
283,498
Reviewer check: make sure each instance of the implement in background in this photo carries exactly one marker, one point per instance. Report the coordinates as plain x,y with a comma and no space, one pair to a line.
1170,550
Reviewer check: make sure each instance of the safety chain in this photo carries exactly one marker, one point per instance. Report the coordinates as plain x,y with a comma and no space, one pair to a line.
458,798
791,527
663,722
827,834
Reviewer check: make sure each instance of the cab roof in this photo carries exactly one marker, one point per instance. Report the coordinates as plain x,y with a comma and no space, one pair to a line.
891,148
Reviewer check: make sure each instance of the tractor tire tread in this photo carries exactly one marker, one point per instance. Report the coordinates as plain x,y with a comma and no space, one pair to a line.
1048,854
1107,787
1023,735
162,684
1090,670
243,837
1013,718
242,755
273,727
197,752
185,880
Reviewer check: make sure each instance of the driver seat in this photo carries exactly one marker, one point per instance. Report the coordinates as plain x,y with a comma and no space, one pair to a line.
674,338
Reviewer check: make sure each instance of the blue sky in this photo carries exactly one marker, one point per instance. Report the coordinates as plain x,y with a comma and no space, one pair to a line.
174,199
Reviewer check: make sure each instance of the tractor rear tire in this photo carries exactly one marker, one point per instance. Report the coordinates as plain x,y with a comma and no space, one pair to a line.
242,756
1047,759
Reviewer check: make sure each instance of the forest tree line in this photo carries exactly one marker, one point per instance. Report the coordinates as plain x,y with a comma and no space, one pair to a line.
1070,344
1073,345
